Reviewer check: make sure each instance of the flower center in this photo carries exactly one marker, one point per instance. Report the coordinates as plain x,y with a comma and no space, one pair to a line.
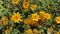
26,5
15,0
16,17
58,19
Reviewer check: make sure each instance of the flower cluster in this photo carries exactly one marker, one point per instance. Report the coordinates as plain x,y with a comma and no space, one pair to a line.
29,17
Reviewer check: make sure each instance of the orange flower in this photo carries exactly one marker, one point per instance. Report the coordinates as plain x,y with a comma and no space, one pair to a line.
57,19
25,5
29,31
28,21
5,20
33,7
7,31
35,31
15,1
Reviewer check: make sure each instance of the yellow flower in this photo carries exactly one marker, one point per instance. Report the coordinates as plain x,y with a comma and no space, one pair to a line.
25,5
16,17
57,19
15,1
29,31
35,31
42,16
42,13
5,21
58,32
35,17
7,31
47,16
29,21
33,7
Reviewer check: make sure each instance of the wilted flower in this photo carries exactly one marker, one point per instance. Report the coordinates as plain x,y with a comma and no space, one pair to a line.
50,30
11,28
28,21
5,21
7,31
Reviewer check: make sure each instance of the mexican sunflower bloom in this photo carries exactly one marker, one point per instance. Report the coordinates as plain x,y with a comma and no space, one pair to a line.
16,17
28,21
33,7
42,15
35,17
47,16
5,21
35,31
25,5
29,31
42,12
57,19
7,31
15,1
